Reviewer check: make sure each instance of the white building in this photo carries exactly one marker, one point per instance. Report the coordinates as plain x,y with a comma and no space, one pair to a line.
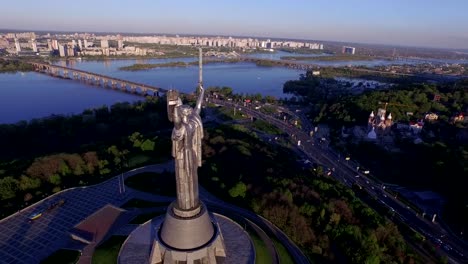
348,50
49,45
34,45
17,45
55,44
63,50
104,44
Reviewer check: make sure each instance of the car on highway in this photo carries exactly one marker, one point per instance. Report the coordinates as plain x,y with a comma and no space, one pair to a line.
35,216
326,171
55,204
364,170
40,212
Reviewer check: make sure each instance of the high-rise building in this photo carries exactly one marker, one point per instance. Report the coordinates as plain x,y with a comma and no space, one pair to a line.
49,45
86,44
120,44
71,51
63,50
348,50
17,45
106,51
34,45
55,44
80,45
104,44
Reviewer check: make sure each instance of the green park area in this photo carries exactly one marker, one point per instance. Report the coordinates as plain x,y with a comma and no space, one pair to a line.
13,66
143,218
137,203
41,157
156,183
62,256
147,66
261,252
139,67
108,252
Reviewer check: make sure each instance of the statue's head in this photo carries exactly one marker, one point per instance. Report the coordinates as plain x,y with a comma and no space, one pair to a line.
185,111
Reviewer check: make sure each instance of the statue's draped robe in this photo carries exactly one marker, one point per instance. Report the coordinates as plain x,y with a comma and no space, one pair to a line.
186,149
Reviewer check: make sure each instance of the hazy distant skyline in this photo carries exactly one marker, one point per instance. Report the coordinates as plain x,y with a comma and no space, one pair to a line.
429,23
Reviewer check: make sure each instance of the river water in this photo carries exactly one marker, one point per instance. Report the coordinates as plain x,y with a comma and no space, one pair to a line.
244,78
24,96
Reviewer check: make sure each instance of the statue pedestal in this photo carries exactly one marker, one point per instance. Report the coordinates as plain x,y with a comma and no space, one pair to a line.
193,239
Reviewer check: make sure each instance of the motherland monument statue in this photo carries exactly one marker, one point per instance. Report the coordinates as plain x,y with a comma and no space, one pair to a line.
188,233
187,138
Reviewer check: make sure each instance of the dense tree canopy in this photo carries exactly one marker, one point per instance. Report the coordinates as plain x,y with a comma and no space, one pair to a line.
14,66
322,216
439,163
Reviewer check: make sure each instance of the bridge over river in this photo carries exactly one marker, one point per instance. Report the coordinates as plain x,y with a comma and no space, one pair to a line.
145,90
98,79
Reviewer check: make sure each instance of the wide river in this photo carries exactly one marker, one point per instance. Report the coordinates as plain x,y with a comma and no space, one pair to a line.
24,96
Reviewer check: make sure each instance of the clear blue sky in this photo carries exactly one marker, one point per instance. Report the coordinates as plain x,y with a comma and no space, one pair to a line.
436,23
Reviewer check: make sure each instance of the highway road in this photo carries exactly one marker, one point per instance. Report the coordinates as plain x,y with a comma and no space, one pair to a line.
346,172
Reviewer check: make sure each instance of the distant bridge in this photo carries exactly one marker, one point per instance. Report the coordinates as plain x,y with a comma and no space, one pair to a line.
98,79
145,90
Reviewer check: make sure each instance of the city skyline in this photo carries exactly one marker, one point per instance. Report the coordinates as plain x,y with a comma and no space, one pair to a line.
416,23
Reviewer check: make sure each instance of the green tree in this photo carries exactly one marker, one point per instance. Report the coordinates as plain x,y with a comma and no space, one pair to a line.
64,169
119,155
136,138
147,145
55,179
103,170
27,183
92,161
8,187
238,190
78,171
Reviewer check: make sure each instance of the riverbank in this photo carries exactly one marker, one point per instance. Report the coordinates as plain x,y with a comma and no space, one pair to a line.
12,66
147,66
306,51
333,58
120,57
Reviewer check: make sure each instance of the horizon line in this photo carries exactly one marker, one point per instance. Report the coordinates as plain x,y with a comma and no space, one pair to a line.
243,36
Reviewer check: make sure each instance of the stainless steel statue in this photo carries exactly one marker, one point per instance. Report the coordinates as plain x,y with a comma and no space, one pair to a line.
187,138
188,233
